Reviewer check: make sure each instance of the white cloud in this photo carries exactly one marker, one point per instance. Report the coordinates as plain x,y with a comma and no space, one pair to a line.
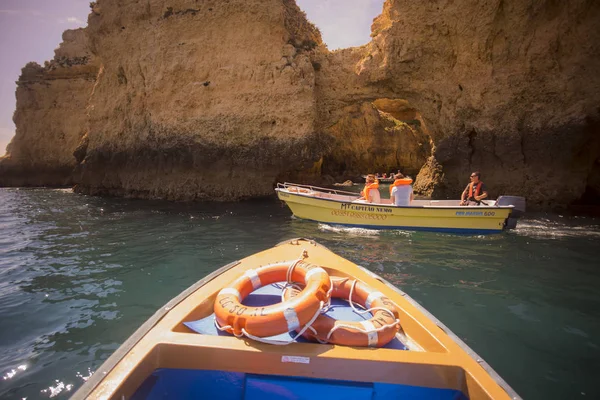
71,21
75,20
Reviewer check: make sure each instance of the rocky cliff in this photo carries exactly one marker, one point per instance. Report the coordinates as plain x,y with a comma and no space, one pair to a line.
505,87
199,100
189,99
50,116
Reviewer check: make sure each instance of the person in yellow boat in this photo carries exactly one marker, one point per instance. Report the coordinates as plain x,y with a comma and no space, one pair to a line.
475,190
371,191
401,192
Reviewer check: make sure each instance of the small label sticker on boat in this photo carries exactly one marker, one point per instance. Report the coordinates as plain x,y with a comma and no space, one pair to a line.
295,359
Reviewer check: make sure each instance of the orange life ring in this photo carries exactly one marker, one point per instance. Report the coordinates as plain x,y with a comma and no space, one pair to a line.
375,332
234,317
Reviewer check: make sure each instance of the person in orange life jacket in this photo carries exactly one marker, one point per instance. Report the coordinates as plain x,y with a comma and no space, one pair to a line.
371,191
475,191
401,192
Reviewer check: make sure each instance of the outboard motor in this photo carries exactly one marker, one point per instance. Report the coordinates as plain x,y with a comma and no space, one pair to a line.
519,209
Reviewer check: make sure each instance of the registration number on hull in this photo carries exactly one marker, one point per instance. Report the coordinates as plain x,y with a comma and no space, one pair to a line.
475,213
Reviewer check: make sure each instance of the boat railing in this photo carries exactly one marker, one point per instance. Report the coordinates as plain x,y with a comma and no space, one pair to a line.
287,185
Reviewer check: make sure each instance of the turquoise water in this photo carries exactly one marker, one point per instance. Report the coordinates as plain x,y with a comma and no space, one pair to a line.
79,274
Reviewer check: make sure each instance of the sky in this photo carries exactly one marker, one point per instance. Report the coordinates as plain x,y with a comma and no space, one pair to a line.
30,30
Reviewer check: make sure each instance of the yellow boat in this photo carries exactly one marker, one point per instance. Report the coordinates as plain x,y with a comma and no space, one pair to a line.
179,353
343,208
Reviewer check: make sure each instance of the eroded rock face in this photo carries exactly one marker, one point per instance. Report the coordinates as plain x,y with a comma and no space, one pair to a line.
199,100
367,138
50,116
505,87
218,100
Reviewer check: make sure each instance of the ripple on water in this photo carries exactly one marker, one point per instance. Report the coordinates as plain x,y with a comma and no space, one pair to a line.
575,331
521,311
348,230
79,274
545,228
13,372
57,388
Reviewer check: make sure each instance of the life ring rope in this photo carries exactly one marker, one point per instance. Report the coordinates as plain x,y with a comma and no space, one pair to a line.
291,318
272,341
366,310
290,271
326,306
374,332
368,327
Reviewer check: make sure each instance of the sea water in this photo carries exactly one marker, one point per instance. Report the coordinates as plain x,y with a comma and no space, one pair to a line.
79,274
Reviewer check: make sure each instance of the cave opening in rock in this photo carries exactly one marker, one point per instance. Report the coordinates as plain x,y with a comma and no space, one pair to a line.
407,133
378,136
343,23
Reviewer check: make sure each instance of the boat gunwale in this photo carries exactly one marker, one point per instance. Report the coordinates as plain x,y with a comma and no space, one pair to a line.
494,207
285,185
